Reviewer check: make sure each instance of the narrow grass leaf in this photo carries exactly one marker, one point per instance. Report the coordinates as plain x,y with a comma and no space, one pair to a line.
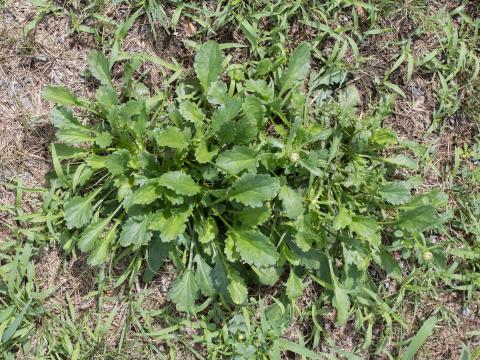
419,339
12,328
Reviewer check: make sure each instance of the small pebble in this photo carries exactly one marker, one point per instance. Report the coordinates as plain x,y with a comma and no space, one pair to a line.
41,58
27,104
417,92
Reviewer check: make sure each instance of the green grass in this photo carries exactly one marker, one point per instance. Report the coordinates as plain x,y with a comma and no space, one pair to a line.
350,196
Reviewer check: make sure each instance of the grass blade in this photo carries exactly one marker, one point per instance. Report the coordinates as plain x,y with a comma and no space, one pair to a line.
419,339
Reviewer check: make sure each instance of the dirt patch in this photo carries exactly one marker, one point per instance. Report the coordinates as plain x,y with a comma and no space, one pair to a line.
46,56
459,321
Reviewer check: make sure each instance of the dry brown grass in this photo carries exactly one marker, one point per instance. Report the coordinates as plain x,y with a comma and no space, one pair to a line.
46,56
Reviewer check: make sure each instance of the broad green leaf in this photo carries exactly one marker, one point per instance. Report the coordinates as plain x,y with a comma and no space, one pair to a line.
341,302
254,247
203,155
292,202
229,250
389,264
402,161
184,292
208,63
191,112
366,228
252,190
435,198
60,95
99,67
291,256
78,211
236,160
96,162
264,67
91,234
179,182
145,195
217,93
117,162
294,286
419,339
342,220
298,67
100,254
251,121
75,136
236,287
260,88
396,193
253,110
157,253
356,253
268,275
349,97
207,231
135,232
220,279
106,98
419,219
104,139
70,152
254,216
171,137
170,226
203,276
63,118
223,120
311,163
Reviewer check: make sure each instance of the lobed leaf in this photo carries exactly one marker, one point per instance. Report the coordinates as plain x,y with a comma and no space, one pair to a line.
252,190
184,292
298,68
179,182
254,247
208,63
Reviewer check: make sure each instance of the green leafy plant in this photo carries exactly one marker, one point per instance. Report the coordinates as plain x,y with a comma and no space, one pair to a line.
237,180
